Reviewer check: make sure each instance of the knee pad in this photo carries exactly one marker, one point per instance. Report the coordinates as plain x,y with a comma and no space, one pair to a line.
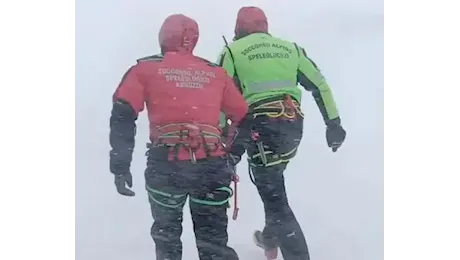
218,197
166,199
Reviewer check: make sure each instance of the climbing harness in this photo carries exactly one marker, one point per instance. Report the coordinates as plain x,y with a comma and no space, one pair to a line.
185,140
284,109
287,109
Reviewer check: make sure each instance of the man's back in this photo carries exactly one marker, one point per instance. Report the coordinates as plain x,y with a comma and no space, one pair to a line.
185,88
266,66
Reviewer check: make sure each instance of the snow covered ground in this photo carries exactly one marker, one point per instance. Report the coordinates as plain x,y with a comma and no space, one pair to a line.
338,198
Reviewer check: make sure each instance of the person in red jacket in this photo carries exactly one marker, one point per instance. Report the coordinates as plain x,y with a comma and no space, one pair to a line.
184,95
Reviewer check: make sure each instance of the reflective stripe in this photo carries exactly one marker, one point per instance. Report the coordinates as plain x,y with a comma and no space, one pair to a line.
268,85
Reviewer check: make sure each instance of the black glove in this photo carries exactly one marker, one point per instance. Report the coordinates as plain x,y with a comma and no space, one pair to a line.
121,180
335,135
234,159
119,166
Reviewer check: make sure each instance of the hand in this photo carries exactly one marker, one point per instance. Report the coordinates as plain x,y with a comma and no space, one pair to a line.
335,136
232,161
121,180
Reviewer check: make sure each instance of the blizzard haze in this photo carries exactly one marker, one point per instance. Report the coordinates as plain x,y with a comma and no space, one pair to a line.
337,197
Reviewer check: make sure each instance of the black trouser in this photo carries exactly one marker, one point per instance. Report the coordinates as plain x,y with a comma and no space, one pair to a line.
280,139
207,182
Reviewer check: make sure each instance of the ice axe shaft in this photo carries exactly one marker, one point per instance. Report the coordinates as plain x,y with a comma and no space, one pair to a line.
235,179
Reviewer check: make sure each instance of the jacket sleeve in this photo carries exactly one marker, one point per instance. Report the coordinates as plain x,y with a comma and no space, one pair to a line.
128,101
311,78
233,104
235,108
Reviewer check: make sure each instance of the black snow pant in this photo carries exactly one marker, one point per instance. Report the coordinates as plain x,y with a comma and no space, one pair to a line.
280,139
207,184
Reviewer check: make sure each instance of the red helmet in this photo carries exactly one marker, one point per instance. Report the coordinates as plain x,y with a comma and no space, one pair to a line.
178,33
250,19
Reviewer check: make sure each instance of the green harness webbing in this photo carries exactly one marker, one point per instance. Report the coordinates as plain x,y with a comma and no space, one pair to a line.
175,201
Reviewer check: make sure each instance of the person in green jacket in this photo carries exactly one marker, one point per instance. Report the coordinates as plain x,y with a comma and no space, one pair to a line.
267,71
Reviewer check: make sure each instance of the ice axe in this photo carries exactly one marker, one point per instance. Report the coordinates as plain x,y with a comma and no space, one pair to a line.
235,179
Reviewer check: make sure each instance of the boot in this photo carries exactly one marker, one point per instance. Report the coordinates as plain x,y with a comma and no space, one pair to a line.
271,250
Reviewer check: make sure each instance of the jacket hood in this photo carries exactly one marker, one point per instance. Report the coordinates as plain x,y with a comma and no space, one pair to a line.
249,20
178,33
